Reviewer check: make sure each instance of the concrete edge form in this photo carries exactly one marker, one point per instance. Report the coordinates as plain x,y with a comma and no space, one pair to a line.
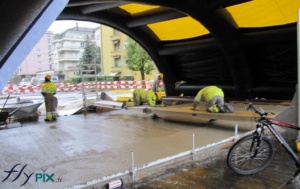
139,174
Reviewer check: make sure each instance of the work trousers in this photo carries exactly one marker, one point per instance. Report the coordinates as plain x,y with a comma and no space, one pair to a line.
51,105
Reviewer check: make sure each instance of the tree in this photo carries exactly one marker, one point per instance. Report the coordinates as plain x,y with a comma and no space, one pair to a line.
91,55
138,59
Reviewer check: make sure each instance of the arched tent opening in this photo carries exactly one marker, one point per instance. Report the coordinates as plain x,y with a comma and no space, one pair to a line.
246,47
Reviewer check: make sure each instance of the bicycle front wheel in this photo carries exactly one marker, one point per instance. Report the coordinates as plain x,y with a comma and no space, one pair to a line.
247,157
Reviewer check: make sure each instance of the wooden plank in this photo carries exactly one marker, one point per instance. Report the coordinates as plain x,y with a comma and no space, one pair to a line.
184,112
177,98
175,111
254,101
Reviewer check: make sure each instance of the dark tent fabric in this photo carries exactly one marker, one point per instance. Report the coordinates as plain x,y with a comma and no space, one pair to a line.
249,48
246,47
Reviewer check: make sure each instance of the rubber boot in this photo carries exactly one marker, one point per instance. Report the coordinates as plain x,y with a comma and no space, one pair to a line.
54,116
48,116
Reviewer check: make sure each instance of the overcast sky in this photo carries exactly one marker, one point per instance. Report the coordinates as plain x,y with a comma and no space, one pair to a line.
60,26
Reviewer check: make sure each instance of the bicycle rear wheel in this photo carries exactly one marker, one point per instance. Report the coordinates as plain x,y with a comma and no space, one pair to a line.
241,157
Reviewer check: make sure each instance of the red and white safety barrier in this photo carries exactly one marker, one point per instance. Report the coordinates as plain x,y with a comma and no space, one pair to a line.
72,87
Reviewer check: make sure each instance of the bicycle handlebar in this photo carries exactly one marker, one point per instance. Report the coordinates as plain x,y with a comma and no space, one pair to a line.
261,112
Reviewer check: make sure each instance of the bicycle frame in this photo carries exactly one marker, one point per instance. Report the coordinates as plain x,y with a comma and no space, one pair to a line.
245,161
270,123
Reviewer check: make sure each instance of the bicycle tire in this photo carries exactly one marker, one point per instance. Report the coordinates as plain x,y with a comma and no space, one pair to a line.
240,160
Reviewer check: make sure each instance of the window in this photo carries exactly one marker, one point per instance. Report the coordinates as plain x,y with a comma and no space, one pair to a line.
126,44
117,46
73,55
117,62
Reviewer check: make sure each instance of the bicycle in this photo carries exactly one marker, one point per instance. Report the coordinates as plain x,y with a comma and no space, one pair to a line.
252,153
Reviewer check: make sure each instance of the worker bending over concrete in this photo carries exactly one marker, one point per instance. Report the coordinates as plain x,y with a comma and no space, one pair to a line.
214,98
141,96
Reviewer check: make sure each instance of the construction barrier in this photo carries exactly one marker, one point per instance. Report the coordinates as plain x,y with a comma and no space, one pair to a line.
73,87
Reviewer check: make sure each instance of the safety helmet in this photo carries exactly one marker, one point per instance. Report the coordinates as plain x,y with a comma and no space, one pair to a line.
161,75
48,77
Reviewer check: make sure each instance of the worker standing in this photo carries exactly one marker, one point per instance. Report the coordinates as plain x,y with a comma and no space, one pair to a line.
214,98
156,82
48,92
141,96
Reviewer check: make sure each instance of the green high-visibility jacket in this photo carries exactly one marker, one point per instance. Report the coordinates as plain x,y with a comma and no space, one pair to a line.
49,88
148,97
209,92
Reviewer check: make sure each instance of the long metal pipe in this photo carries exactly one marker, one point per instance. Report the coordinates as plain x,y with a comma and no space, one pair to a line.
298,65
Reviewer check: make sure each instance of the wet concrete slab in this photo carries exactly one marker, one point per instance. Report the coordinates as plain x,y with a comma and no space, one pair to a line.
77,149
213,173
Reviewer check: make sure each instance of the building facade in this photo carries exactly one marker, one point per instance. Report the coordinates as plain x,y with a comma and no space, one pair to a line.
113,55
60,54
38,59
67,51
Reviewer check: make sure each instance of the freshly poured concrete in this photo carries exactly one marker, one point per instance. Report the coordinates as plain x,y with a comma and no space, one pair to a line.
78,148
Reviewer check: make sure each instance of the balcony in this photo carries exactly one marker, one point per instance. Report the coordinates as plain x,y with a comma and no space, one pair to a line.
67,59
59,71
73,67
115,38
68,48
116,54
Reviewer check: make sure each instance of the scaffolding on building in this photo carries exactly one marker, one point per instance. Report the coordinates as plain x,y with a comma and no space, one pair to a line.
89,85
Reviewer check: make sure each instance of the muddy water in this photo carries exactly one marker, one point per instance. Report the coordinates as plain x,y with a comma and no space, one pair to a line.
78,149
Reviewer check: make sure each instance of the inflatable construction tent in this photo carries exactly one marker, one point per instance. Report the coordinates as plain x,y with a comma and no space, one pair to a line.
248,48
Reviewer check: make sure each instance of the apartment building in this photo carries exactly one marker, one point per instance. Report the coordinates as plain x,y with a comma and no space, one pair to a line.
113,55
67,51
38,59
59,55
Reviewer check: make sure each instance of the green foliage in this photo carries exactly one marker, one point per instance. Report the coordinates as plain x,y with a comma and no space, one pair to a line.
109,79
85,79
106,78
138,59
91,55
127,78
73,80
78,79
